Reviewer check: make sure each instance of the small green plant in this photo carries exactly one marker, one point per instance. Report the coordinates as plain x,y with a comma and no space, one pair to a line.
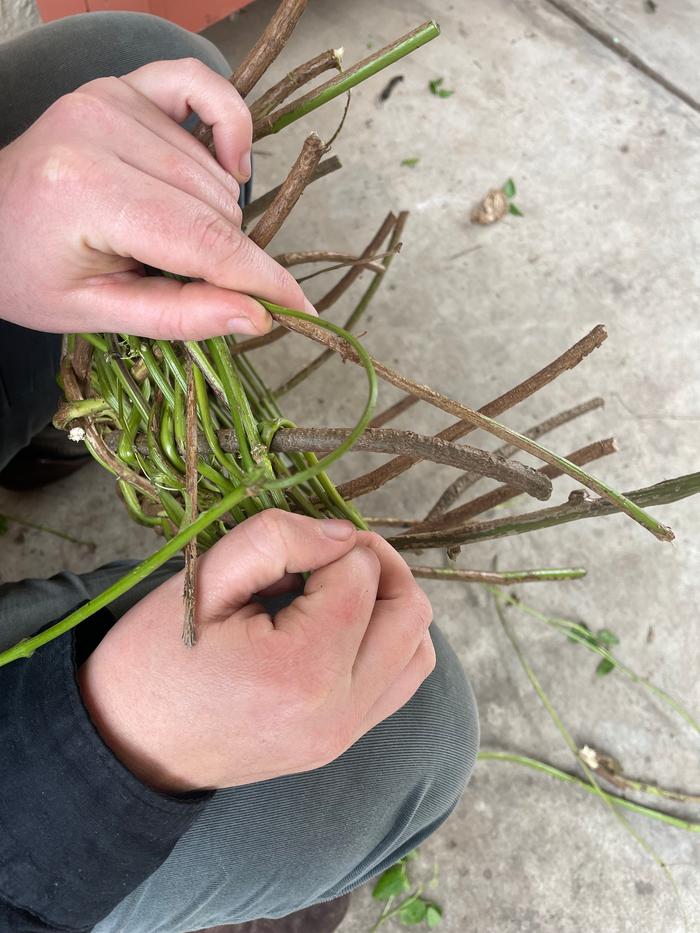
603,638
410,163
436,88
509,190
411,910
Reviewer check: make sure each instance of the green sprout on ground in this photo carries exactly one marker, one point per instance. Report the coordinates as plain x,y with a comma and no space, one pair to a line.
410,163
509,190
603,638
412,909
436,88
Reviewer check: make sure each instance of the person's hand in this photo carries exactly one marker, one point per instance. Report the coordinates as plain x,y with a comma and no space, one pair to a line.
256,699
105,182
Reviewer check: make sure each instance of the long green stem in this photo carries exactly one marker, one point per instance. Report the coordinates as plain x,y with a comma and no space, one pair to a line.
568,739
582,636
27,647
346,80
612,799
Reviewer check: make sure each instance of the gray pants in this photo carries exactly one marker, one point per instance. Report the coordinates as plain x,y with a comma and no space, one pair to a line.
266,849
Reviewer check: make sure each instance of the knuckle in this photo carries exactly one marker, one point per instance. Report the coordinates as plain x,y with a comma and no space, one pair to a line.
216,239
85,106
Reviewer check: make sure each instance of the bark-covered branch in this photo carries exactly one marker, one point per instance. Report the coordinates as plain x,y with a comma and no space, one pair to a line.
457,489
577,507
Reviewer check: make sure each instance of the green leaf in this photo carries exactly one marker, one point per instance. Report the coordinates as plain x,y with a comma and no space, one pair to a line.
3,525
413,911
436,88
410,856
604,667
433,915
410,163
391,883
512,209
509,188
607,638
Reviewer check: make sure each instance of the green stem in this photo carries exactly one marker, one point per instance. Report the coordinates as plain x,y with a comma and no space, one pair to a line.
346,80
45,528
28,646
582,636
613,799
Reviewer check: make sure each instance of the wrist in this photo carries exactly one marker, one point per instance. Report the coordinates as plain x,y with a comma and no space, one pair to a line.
124,729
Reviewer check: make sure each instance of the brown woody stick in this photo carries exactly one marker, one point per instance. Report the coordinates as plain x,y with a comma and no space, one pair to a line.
189,634
290,191
578,506
478,419
306,257
459,516
386,440
462,483
260,57
261,204
489,576
568,360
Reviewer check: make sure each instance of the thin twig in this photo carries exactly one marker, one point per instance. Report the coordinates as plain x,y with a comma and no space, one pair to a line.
329,299
260,57
456,489
506,577
189,632
568,360
296,78
610,770
261,204
290,191
356,314
577,507
495,497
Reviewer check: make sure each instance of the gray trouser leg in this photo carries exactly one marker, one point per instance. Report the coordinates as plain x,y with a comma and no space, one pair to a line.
267,849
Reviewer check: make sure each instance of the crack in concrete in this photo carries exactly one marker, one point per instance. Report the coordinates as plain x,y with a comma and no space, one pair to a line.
612,43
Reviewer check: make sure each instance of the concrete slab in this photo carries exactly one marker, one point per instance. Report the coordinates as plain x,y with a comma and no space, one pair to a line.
605,163
665,33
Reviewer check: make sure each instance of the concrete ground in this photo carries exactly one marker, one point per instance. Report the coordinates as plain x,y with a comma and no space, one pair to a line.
605,160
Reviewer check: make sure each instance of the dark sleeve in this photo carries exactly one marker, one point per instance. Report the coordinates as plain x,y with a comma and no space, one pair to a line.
78,831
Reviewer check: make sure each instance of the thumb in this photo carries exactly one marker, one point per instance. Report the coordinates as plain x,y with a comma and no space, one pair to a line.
260,551
155,306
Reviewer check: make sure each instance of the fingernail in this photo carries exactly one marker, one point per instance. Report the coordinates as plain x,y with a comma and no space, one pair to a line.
245,166
337,529
241,325
309,308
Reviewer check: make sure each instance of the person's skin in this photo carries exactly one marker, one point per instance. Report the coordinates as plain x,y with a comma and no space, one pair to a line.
257,698
105,182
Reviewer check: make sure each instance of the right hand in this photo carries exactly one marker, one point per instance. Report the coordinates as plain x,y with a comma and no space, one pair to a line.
257,698
106,182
